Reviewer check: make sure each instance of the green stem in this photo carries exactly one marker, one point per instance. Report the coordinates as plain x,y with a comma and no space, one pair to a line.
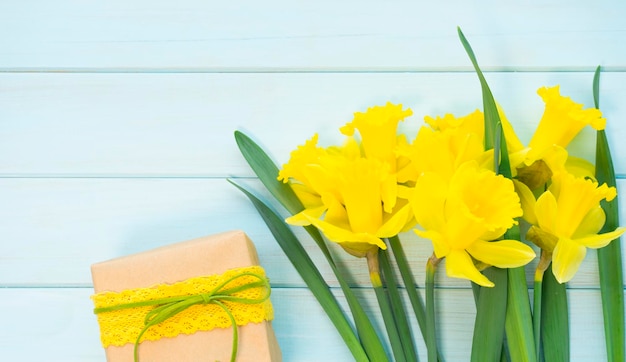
544,262
369,338
537,312
384,305
490,317
554,320
518,325
409,282
400,316
431,335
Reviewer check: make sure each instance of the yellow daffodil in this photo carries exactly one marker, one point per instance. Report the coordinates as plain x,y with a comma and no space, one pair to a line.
443,151
463,214
545,155
378,130
446,143
471,123
351,192
358,220
568,219
449,141
296,169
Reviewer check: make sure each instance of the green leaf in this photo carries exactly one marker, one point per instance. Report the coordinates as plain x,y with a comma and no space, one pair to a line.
490,317
409,282
492,118
309,273
399,313
610,257
267,171
554,320
518,323
493,316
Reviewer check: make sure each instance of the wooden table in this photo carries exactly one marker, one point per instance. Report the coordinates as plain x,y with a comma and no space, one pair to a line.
116,136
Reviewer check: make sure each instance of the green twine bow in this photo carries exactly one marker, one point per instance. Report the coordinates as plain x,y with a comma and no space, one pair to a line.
169,307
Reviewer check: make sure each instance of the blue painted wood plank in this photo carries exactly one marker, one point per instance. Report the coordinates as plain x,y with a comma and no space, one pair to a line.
58,325
182,124
279,34
54,229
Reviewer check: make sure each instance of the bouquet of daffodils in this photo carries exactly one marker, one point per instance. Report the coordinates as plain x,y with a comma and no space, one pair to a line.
467,184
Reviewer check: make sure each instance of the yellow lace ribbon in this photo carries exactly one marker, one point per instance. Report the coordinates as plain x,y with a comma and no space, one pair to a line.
234,298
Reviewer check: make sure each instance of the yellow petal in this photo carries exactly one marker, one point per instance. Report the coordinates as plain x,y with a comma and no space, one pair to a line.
591,224
396,222
462,228
555,157
301,157
562,120
460,265
600,240
303,218
308,197
546,212
576,197
580,167
503,253
527,200
359,250
340,235
428,201
440,246
566,259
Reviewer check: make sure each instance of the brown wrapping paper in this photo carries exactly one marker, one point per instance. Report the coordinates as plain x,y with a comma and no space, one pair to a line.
203,256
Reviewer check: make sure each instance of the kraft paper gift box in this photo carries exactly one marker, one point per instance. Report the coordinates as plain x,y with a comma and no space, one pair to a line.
207,256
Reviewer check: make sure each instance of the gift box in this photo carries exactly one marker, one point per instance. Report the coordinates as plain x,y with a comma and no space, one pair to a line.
192,277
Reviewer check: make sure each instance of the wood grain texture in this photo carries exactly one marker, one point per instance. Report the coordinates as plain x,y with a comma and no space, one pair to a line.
182,124
57,228
66,329
349,36
116,136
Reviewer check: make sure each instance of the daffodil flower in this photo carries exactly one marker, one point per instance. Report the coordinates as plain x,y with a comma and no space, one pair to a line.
545,154
378,130
356,217
463,214
444,151
567,220
446,142
351,192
